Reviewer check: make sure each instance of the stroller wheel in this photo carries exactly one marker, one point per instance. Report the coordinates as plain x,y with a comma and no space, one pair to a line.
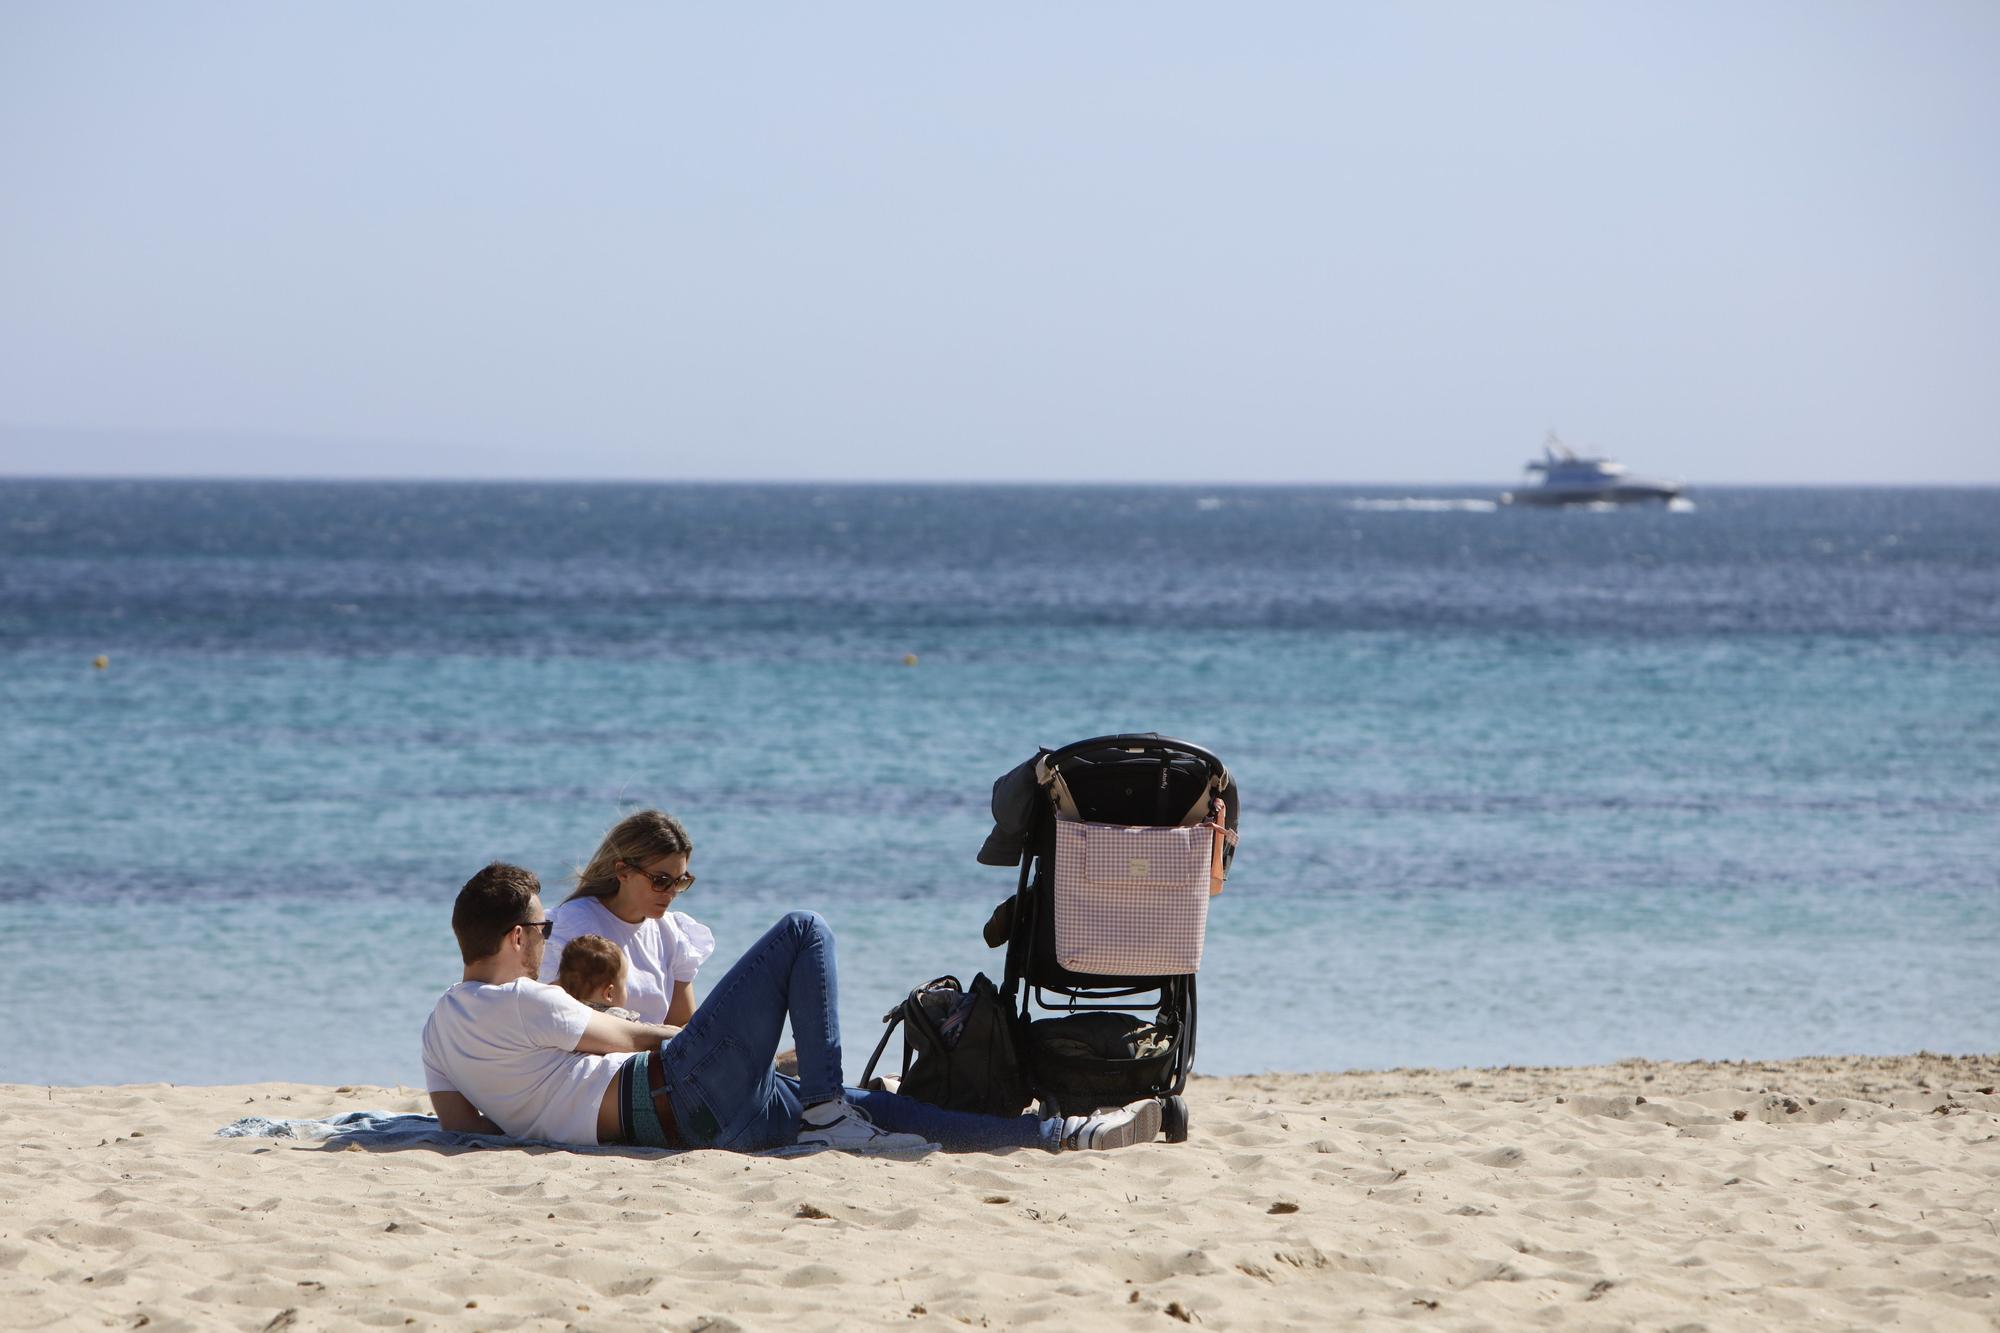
1174,1120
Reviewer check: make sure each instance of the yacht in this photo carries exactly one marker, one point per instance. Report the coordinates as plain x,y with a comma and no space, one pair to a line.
1567,479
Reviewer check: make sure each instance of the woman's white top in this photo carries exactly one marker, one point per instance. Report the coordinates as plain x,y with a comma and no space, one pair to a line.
659,953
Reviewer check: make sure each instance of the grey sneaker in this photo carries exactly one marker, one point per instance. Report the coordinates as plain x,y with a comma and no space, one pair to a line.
855,1132
1135,1122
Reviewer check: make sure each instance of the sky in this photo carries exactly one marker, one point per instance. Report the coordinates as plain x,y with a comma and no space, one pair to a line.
1266,243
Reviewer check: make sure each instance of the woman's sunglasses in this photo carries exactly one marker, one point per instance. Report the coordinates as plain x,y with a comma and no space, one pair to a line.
680,883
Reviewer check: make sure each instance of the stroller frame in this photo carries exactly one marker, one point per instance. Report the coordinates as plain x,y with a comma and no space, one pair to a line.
1132,779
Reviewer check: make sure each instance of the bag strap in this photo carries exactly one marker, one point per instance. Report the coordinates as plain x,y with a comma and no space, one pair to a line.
1218,824
895,1018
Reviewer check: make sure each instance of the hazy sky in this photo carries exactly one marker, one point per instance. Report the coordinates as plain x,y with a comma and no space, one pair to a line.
1263,242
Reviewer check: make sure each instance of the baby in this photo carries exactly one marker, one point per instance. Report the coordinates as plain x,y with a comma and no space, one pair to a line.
593,970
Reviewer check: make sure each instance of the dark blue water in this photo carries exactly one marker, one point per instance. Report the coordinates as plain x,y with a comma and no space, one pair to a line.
1518,786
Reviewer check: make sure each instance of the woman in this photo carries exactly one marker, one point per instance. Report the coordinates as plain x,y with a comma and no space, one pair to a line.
624,894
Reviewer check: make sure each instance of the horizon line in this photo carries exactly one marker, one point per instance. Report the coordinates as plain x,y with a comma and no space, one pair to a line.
429,479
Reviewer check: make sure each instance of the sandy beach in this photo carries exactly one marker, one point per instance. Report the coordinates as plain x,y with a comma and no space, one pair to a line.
1832,1193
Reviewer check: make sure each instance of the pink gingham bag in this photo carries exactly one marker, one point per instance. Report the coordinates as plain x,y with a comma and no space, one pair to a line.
1131,901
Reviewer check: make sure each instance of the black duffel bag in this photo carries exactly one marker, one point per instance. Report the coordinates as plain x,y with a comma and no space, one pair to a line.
1099,1058
958,1048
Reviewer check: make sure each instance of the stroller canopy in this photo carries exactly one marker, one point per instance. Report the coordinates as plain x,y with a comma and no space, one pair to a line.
1139,778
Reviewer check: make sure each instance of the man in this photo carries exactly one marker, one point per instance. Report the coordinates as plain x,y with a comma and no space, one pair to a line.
505,1054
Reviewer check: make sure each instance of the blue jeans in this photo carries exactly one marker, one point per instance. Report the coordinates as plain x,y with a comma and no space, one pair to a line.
726,1094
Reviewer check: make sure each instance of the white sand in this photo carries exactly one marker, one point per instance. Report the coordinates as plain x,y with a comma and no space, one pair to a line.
1831,1193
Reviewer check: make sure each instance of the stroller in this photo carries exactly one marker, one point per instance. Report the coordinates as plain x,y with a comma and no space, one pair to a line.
1121,840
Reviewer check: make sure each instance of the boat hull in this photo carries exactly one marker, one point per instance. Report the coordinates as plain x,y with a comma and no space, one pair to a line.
1625,493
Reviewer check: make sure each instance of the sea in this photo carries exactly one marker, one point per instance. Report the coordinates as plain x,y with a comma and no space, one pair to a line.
1518,787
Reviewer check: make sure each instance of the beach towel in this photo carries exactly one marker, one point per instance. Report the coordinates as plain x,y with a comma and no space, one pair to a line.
379,1131
390,1131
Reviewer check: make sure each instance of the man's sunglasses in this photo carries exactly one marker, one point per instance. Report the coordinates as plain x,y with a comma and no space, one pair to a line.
546,925
671,883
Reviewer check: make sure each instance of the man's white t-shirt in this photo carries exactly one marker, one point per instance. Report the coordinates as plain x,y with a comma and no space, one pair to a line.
511,1051
659,952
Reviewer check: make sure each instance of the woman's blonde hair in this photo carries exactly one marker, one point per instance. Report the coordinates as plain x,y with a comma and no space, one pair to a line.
634,840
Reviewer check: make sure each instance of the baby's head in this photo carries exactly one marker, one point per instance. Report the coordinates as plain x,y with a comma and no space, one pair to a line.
593,970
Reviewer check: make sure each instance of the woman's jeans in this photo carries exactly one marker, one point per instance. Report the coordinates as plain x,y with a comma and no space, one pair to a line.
725,1092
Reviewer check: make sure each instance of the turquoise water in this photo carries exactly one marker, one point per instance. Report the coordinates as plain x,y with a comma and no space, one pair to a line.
1518,788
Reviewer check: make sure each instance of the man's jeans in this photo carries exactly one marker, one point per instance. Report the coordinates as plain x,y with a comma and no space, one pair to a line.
725,1093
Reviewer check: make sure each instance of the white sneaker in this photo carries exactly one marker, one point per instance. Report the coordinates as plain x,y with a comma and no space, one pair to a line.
853,1131
1135,1122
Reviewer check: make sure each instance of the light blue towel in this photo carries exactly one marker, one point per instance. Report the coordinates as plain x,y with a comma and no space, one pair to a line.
387,1131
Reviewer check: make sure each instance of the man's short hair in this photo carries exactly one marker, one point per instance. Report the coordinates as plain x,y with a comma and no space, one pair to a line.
493,902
